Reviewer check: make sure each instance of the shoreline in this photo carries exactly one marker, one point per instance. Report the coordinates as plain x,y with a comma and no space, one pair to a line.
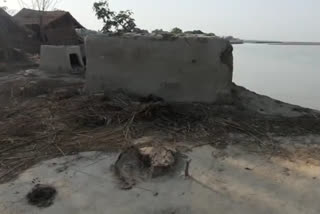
280,43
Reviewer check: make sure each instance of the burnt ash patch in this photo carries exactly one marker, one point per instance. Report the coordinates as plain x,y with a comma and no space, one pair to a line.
42,196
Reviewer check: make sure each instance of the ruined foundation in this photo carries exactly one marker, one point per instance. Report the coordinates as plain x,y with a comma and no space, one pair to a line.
61,59
177,69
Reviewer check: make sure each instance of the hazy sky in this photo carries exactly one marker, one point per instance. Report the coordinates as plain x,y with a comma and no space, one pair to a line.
247,19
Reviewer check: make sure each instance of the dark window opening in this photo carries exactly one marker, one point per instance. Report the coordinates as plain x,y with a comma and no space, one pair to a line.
45,38
75,62
3,55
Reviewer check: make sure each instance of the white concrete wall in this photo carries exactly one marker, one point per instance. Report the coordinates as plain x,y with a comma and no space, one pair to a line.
56,58
184,69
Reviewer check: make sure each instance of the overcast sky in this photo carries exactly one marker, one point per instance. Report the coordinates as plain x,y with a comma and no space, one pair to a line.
289,20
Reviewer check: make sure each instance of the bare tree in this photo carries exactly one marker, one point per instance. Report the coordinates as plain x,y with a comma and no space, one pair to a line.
3,7
41,6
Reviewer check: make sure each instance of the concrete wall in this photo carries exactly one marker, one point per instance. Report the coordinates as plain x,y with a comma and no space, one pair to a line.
184,69
57,59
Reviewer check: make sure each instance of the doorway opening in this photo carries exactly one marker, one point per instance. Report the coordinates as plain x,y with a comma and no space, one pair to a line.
75,61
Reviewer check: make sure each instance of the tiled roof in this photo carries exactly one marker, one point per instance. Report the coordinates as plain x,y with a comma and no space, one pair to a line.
31,17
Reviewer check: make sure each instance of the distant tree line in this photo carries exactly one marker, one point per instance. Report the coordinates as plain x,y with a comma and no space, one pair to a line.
178,31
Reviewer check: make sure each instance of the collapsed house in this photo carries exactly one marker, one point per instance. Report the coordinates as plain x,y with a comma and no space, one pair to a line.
14,36
178,69
62,48
58,27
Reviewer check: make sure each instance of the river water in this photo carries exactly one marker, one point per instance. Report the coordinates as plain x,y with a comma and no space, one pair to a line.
288,73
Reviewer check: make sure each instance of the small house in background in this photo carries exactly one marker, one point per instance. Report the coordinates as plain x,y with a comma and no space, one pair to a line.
59,27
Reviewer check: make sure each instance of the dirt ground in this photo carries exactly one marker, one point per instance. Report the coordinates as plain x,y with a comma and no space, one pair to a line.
43,116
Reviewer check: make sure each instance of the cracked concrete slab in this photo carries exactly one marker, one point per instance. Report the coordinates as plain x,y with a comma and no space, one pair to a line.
232,180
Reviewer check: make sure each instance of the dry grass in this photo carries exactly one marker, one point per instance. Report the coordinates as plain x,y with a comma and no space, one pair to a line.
59,125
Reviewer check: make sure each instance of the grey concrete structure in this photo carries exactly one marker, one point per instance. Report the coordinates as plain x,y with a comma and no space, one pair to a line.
178,69
61,59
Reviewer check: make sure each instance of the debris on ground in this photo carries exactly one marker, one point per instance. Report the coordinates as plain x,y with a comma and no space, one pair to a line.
42,196
161,158
137,164
131,167
13,59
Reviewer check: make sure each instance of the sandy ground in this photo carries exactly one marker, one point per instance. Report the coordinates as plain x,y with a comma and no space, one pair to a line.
253,154
230,180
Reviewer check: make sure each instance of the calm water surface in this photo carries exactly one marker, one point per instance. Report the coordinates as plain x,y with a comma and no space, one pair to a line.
287,73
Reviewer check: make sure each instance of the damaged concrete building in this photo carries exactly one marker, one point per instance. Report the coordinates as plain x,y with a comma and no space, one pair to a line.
61,59
178,69
59,27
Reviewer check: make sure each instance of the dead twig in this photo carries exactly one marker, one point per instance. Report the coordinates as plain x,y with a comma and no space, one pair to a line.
60,150
186,169
128,126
